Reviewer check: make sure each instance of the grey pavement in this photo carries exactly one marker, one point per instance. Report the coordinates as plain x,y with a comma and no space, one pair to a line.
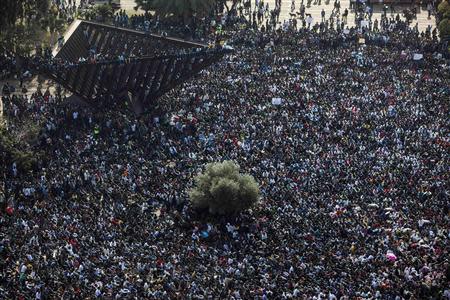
314,10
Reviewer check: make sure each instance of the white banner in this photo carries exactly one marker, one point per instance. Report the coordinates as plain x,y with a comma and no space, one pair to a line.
276,101
417,56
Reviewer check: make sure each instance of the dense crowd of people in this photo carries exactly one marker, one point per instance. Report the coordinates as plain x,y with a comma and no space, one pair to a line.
346,131
264,17
7,64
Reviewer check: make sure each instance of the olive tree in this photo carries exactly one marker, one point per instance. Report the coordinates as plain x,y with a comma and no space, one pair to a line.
223,190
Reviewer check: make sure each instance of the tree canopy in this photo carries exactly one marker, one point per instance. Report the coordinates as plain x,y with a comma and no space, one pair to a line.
223,190
13,10
444,16
178,8
104,11
12,152
145,5
184,8
21,23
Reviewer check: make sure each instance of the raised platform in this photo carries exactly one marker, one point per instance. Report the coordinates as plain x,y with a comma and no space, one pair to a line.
118,61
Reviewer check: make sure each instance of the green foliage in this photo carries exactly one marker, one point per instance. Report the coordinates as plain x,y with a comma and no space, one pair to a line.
87,14
12,10
40,8
21,23
444,8
444,16
145,5
20,39
444,27
223,190
52,22
183,8
11,152
104,11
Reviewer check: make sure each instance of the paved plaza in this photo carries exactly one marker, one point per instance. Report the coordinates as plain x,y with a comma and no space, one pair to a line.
314,10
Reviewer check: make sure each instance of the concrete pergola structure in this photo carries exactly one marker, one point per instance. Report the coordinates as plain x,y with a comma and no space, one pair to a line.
152,66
